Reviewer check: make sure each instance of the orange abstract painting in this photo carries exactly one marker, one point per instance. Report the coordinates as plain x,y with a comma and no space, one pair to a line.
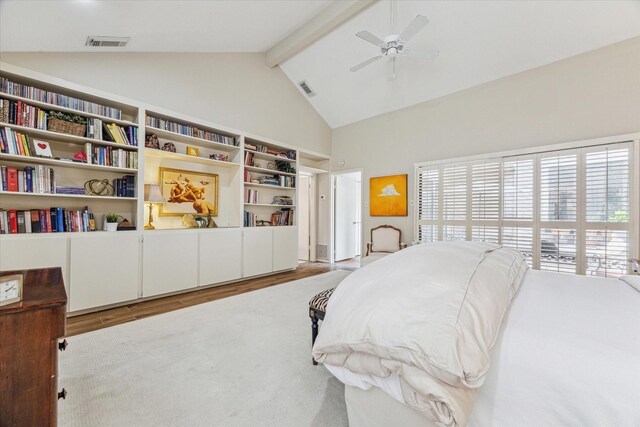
388,195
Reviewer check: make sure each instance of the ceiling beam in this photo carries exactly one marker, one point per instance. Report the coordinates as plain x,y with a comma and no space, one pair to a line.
324,22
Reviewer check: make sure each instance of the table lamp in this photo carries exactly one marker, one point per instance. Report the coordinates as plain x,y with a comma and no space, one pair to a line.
152,195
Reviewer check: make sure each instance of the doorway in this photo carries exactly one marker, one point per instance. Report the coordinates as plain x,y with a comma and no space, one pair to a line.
305,213
347,217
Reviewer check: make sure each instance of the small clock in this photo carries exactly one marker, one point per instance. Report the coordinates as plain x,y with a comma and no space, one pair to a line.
10,289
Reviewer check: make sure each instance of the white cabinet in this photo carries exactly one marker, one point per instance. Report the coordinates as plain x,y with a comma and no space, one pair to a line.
170,261
220,255
285,248
257,251
104,269
19,252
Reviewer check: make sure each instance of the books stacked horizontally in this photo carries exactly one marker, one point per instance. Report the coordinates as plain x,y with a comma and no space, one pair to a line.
190,130
51,220
250,196
249,219
78,191
282,217
282,200
17,89
270,180
110,156
32,179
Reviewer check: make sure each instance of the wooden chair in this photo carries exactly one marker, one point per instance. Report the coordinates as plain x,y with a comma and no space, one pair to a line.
385,239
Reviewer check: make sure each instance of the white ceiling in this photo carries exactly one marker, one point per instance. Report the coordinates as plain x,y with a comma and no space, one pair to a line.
479,41
154,26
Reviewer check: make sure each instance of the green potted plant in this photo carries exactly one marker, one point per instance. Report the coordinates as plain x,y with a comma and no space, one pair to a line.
111,221
73,124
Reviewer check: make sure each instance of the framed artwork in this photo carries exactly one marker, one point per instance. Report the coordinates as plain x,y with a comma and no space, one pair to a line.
187,192
388,195
192,151
42,148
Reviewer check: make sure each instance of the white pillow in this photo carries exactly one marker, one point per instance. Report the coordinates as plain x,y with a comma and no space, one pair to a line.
633,281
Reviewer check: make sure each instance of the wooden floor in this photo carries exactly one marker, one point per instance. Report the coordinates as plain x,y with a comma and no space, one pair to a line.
114,316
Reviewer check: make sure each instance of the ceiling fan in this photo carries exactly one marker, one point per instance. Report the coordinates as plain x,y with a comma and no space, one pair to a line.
394,45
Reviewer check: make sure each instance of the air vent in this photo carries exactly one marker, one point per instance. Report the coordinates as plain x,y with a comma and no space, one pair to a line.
307,89
322,251
108,41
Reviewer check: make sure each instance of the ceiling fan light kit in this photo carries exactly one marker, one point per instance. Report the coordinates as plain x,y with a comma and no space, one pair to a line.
394,45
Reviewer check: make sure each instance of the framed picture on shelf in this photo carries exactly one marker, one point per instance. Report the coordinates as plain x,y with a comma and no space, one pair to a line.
192,151
388,195
187,192
42,148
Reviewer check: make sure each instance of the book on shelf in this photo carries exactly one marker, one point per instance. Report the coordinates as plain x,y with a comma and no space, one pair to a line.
32,179
10,87
49,220
250,196
190,130
248,158
282,200
111,156
282,217
125,186
249,219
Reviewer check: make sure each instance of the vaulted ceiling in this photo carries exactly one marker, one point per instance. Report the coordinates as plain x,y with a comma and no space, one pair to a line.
478,41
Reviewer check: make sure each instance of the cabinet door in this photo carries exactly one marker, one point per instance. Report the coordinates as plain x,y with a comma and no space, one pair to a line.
36,251
220,255
104,269
170,261
285,248
257,248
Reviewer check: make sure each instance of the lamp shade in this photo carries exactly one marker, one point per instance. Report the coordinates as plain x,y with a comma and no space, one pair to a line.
152,193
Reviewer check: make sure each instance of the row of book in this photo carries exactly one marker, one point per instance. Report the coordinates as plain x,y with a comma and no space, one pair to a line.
21,114
250,195
250,219
111,156
13,142
282,217
248,158
125,186
190,131
32,179
289,154
101,131
26,91
52,220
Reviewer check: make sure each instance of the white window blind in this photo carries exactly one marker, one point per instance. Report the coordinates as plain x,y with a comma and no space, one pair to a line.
566,211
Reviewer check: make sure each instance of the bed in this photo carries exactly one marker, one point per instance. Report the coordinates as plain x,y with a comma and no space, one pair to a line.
568,353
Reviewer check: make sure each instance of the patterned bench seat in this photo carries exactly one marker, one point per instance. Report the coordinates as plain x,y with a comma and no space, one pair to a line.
317,310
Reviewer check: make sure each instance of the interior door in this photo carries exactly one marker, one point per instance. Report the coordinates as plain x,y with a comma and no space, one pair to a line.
347,188
303,218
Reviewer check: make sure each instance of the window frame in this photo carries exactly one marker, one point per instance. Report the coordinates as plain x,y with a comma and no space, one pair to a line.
580,148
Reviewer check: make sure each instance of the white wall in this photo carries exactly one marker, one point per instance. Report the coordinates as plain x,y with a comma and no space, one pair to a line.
236,90
591,95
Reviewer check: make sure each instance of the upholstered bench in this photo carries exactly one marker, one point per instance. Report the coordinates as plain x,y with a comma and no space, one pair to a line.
317,310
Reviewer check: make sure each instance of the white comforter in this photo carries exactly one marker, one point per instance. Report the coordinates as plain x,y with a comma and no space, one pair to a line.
569,355
430,314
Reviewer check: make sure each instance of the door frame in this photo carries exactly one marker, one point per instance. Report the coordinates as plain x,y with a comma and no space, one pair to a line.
332,244
313,228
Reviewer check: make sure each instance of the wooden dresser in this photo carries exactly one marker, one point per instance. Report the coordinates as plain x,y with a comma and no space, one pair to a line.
29,347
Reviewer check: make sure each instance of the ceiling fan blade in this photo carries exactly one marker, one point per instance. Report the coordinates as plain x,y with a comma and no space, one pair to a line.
426,54
416,25
365,63
391,69
366,35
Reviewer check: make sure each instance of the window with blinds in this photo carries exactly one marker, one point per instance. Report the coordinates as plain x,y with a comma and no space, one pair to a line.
566,211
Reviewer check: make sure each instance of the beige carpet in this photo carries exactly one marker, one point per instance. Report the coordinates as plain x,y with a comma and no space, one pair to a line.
239,361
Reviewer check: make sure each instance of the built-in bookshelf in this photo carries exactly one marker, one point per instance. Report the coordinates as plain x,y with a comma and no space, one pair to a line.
53,141
54,196
269,180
